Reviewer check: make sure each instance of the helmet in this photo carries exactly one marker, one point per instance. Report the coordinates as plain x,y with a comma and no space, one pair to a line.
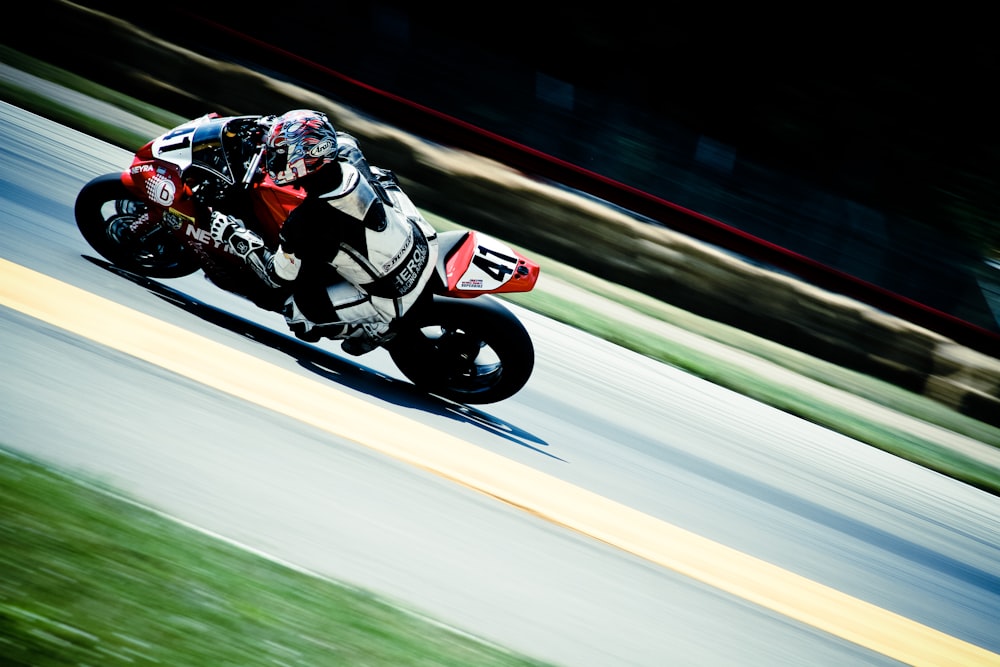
299,143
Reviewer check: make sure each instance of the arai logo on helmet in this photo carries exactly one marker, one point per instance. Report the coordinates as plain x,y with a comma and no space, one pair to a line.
321,149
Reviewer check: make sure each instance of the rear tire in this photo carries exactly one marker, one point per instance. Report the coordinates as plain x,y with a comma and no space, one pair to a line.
467,351
105,209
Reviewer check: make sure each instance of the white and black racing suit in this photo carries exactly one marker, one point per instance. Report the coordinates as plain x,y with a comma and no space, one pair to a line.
369,232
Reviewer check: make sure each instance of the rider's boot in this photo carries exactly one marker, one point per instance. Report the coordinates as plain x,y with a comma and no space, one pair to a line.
366,337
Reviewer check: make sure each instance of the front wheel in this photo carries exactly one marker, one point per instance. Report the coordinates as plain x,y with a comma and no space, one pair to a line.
467,351
106,212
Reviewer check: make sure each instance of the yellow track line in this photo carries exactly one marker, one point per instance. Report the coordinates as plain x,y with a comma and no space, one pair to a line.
325,407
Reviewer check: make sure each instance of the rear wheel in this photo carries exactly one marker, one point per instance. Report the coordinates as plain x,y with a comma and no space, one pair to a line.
467,351
106,213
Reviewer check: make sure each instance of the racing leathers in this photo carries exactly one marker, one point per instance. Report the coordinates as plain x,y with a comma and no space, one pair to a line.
356,221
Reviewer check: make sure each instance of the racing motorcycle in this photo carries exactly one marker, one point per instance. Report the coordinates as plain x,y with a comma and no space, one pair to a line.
153,219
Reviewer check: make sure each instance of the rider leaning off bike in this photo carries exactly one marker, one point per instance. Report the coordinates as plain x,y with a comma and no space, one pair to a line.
354,221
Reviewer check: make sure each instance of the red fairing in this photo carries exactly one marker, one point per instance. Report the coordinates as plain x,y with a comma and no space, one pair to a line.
272,205
142,156
525,276
482,264
458,263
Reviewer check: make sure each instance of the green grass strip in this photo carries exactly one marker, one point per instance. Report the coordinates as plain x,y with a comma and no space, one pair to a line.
91,579
825,413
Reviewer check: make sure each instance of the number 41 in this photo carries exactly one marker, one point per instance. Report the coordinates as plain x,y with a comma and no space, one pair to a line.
495,269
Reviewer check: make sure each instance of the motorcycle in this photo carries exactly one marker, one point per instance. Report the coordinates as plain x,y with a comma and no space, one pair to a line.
153,219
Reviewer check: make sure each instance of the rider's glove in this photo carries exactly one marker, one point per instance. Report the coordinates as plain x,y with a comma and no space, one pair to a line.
230,231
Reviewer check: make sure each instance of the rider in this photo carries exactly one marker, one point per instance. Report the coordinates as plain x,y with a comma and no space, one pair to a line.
354,219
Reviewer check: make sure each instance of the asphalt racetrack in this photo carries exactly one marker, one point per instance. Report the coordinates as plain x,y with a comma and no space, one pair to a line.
615,512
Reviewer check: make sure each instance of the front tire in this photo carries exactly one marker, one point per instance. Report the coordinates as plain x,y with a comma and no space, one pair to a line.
105,210
471,352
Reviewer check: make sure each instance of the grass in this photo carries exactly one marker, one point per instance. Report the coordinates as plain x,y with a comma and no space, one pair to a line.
92,579
760,387
810,407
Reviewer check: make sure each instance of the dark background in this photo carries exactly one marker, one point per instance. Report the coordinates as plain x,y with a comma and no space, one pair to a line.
899,118
869,146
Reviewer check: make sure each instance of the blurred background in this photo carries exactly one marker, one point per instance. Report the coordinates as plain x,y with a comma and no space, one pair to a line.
868,148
